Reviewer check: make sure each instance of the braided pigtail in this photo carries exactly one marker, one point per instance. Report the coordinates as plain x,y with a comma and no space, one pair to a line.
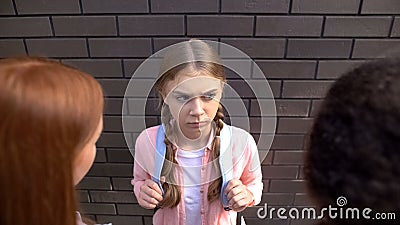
215,187
172,194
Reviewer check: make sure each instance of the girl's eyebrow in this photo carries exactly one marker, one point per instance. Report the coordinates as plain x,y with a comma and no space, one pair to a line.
209,91
183,93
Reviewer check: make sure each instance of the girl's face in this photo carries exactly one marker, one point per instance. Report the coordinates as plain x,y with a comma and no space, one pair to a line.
193,101
85,157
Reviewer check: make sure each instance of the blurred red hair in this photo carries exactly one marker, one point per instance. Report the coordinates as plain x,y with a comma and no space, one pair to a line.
48,112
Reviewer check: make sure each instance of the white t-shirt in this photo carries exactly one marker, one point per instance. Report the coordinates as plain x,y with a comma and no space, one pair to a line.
191,164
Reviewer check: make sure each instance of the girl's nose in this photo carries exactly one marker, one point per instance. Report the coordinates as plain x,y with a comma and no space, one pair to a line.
196,107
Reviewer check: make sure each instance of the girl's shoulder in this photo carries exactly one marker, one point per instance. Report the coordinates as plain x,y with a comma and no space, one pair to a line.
148,135
145,149
152,129
241,140
237,133
85,221
242,144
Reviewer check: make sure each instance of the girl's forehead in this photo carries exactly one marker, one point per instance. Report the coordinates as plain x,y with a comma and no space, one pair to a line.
194,85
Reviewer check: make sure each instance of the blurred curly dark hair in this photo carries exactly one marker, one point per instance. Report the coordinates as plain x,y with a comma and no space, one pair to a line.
354,146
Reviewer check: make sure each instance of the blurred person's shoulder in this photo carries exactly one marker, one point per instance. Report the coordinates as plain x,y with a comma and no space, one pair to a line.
81,220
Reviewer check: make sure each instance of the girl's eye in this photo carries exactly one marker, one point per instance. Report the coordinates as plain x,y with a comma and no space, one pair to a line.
209,97
182,98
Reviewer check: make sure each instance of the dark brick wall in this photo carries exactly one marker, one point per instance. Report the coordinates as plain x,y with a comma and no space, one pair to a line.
301,45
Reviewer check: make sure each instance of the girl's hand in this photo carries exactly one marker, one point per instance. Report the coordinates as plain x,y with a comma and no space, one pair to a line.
238,195
150,194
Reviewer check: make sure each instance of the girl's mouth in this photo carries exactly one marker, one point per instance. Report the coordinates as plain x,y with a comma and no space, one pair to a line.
197,124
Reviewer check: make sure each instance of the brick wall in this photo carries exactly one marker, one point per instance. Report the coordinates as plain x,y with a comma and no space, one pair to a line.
301,45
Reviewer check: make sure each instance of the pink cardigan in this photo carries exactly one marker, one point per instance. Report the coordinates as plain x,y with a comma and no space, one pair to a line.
246,167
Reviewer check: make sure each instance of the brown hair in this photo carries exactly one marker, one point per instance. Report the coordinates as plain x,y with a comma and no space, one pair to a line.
48,112
197,56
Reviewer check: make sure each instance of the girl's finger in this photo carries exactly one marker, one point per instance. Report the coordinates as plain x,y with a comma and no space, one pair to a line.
149,205
153,185
145,204
232,184
235,191
239,209
235,199
162,179
150,200
152,193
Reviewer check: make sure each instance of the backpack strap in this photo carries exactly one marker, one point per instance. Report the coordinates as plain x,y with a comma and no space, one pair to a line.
225,159
159,156
225,162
